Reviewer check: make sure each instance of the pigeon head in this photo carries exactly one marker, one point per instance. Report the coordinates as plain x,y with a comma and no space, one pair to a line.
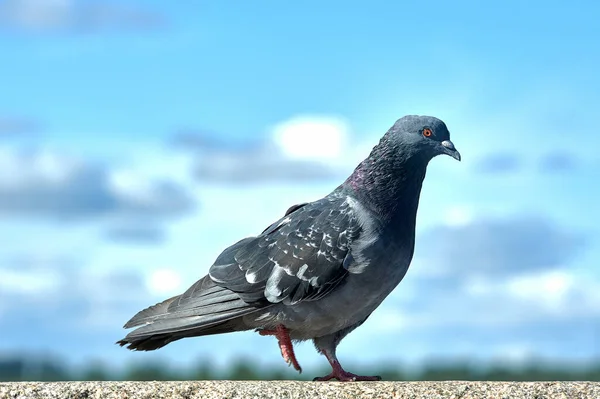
390,178
421,136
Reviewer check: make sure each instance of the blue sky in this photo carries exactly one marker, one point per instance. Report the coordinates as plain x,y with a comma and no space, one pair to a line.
138,139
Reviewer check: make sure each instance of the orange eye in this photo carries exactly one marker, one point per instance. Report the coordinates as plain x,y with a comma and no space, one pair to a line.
427,132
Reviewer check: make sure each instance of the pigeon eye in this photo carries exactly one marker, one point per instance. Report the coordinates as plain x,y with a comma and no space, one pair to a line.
427,132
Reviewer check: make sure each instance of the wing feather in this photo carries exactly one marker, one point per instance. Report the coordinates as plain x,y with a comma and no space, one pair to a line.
300,257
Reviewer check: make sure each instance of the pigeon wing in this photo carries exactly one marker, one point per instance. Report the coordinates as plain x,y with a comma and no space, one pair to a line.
301,257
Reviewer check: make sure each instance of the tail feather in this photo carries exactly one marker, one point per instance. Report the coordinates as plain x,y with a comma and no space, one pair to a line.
156,341
150,314
204,309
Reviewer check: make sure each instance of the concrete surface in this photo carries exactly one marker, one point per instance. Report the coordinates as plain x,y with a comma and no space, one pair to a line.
295,389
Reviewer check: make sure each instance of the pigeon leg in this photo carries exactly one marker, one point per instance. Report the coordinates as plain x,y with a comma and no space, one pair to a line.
339,373
285,345
326,345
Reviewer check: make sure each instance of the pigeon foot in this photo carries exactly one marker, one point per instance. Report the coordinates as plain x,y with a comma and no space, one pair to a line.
344,376
339,373
285,345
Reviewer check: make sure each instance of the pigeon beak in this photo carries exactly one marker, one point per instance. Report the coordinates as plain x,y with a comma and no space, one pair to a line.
449,149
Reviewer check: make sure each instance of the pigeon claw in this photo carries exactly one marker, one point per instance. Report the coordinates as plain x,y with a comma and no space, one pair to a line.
339,373
285,345
344,376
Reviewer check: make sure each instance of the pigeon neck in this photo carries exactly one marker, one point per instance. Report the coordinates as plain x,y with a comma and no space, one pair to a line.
391,190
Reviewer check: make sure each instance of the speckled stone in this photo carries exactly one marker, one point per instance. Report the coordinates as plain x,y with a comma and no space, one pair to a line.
299,390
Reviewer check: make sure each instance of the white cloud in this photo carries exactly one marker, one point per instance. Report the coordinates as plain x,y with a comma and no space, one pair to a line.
479,287
550,289
555,293
312,137
164,282
75,16
135,231
47,184
306,148
60,291
18,170
457,216
144,193
30,282
499,246
389,319
37,14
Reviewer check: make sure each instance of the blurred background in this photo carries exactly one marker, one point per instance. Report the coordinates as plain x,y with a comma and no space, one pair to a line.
140,138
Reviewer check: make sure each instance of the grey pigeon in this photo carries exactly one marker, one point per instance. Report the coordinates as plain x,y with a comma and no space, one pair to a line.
319,271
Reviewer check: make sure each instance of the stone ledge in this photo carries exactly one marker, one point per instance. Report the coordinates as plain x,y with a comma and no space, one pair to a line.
298,390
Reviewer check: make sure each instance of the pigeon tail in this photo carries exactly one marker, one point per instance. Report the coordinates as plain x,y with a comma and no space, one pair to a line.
153,341
204,309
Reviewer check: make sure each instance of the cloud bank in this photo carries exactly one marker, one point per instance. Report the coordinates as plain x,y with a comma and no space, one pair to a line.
48,185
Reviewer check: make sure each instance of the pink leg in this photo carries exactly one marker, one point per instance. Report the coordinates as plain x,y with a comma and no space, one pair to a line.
285,344
340,374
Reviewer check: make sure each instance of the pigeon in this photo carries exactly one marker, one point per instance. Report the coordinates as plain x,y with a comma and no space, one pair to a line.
319,271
